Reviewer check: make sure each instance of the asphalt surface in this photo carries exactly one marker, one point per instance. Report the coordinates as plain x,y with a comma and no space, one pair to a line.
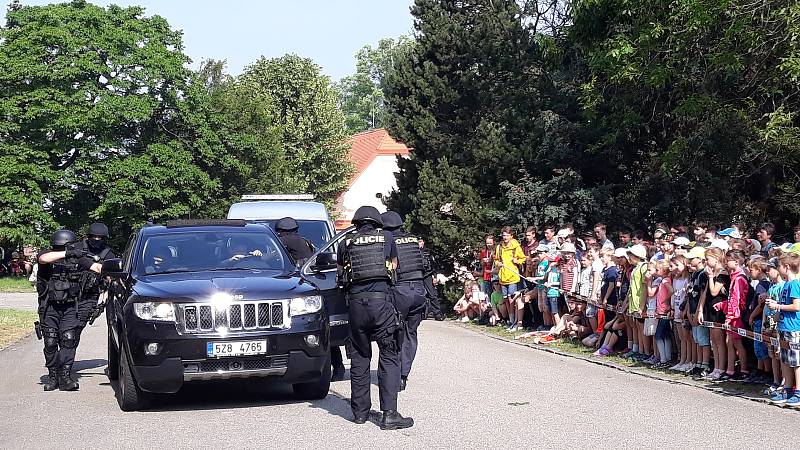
22,301
466,391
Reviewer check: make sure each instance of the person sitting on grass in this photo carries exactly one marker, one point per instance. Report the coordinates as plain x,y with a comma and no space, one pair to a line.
469,305
496,300
572,325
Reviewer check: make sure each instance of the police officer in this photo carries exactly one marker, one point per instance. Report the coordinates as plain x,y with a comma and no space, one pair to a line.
58,287
94,247
368,259
433,306
409,291
300,250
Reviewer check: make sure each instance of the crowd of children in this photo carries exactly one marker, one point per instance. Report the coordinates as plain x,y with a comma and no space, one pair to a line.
651,301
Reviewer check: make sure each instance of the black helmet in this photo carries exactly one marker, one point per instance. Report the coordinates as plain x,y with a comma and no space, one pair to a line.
391,220
62,237
366,214
98,229
286,224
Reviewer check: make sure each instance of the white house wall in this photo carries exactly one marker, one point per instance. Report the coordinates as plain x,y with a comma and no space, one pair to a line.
378,177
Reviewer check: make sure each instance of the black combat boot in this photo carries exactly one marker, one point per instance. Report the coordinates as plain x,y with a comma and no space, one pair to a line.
51,383
392,420
67,383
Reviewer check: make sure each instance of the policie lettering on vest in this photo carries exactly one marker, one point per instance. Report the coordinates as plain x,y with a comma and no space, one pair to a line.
411,264
365,258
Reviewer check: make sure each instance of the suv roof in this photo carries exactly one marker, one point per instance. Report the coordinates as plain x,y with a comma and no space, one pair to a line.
203,225
271,210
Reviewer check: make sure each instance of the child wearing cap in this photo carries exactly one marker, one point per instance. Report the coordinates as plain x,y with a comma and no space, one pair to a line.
696,293
553,292
637,292
539,279
789,328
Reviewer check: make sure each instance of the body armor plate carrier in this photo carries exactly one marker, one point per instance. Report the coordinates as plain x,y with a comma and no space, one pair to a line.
410,260
364,258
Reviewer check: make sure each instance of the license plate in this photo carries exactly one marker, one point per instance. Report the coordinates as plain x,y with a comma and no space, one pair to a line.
236,348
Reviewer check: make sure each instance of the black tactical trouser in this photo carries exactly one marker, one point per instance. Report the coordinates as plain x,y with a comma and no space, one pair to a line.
433,297
409,299
373,319
61,331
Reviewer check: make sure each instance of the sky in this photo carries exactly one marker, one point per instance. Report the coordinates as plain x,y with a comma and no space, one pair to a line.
240,31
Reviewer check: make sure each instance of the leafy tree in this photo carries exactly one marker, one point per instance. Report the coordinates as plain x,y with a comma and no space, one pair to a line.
309,125
360,95
81,87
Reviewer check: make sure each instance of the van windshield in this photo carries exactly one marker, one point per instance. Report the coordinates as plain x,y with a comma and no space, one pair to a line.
316,231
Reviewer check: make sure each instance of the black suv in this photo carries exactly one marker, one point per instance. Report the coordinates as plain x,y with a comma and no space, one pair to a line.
206,300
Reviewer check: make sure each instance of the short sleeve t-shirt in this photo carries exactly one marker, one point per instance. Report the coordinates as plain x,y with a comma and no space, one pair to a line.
585,286
496,298
610,276
770,317
637,291
679,287
789,320
697,284
710,312
663,299
554,281
541,272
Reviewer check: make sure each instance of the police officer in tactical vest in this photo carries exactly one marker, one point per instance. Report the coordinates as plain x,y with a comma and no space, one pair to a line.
368,260
409,291
433,306
58,285
94,247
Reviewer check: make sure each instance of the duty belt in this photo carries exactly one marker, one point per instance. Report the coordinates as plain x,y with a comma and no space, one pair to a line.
410,276
368,296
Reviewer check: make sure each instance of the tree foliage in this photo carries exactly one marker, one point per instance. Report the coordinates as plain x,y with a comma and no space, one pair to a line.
630,112
100,119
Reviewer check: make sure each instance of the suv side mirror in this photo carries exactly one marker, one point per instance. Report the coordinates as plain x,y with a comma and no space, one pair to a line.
324,261
112,267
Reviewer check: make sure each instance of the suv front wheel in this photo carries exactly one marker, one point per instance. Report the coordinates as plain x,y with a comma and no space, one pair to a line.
130,397
315,390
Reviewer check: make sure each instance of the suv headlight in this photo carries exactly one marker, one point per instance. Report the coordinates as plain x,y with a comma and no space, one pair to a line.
161,311
305,305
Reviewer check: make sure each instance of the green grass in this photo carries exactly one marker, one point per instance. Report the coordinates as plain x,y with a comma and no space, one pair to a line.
15,284
578,349
14,325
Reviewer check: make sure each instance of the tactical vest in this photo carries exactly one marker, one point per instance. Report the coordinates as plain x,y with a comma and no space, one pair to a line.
64,283
410,261
364,258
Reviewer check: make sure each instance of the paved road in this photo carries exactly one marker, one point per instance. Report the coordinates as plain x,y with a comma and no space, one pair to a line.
467,391
23,301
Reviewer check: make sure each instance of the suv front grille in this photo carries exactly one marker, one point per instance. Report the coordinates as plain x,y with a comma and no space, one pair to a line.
237,316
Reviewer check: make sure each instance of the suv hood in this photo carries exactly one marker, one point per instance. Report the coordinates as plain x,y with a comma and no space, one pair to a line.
250,284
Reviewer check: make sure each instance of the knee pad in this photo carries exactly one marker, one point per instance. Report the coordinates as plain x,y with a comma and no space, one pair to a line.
70,338
51,339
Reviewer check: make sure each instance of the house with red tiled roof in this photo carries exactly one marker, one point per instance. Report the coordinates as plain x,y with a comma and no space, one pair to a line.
374,156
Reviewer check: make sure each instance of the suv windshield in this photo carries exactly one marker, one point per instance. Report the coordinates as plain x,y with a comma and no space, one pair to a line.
316,231
211,250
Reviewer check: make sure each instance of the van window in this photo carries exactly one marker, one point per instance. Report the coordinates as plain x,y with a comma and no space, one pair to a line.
316,231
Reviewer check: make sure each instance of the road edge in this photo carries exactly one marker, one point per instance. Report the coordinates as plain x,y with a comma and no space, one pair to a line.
630,370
